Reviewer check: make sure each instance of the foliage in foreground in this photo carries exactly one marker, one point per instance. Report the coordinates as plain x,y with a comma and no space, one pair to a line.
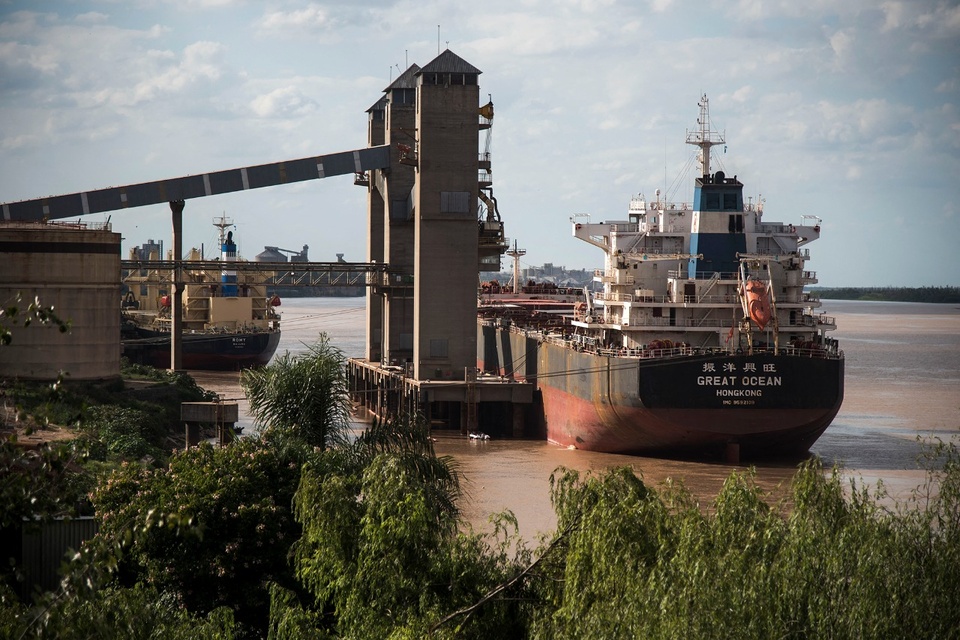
381,555
639,563
304,535
239,499
13,313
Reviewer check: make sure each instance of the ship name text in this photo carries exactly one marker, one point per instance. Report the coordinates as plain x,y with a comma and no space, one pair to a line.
746,381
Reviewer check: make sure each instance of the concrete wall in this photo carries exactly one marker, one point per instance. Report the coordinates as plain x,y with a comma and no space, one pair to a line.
375,213
445,299
76,270
399,227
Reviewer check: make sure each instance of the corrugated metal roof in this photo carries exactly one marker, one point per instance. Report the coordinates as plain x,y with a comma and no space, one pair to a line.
379,105
406,80
449,62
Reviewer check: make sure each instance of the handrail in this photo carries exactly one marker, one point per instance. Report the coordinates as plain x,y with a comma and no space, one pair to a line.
829,351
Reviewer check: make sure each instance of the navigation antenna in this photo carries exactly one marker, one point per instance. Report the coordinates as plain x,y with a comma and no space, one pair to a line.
704,137
516,254
222,223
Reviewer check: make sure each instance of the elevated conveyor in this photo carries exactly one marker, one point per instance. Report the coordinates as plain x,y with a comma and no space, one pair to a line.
197,186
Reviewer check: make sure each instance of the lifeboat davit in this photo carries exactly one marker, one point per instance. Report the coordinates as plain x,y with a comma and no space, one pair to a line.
758,302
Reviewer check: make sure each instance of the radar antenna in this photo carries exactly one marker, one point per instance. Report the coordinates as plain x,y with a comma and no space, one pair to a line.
703,137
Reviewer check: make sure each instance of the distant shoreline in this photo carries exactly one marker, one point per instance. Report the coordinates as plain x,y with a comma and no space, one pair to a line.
938,295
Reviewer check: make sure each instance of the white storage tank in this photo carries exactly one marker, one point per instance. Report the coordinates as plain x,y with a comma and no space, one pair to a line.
75,268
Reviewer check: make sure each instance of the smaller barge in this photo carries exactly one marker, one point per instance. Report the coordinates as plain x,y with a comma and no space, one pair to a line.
229,323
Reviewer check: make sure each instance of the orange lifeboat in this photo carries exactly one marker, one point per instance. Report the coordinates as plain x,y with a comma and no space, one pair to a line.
758,302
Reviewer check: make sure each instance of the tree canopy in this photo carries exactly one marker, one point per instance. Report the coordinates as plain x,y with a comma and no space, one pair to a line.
305,534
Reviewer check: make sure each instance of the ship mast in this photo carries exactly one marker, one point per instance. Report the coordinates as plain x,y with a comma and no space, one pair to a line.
516,254
704,137
228,255
222,223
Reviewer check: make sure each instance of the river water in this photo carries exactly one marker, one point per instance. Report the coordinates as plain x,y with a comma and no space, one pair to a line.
902,382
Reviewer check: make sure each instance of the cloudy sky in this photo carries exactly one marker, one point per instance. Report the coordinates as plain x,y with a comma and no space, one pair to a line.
849,111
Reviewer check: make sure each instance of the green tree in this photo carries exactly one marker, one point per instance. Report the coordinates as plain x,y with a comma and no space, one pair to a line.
830,562
239,499
381,554
302,397
13,314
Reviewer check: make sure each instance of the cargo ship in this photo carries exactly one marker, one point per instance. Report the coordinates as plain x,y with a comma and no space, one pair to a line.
229,322
702,339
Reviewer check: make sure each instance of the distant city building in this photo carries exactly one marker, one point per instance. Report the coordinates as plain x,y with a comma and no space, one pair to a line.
549,272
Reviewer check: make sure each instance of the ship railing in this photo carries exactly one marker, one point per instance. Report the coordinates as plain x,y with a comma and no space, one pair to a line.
768,227
824,320
703,275
582,343
638,204
601,296
716,298
78,224
724,323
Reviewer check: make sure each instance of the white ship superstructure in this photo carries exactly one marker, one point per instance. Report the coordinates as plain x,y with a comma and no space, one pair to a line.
675,271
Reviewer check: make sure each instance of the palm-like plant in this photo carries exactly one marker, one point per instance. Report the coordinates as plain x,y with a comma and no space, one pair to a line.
302,398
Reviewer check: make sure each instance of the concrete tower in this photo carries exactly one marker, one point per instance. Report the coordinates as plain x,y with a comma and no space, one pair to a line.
398,239
375,221
446,228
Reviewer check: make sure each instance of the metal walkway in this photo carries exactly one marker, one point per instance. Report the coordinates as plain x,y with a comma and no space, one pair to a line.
285,274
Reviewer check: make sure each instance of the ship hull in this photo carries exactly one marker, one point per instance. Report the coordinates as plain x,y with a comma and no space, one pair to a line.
765,405
203,351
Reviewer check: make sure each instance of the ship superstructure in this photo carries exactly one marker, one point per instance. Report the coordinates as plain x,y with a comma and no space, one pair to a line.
680,272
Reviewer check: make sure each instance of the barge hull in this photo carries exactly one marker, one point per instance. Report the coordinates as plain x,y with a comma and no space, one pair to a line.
226,352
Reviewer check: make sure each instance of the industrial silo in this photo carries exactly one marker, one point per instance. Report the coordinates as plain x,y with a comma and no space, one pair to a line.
75,268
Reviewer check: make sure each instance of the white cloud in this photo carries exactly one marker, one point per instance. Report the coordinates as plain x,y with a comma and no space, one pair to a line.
313,17
894,15
842,43
92,17
200,61
283,102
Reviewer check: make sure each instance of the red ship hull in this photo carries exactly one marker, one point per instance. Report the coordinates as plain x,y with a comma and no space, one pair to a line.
766,405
